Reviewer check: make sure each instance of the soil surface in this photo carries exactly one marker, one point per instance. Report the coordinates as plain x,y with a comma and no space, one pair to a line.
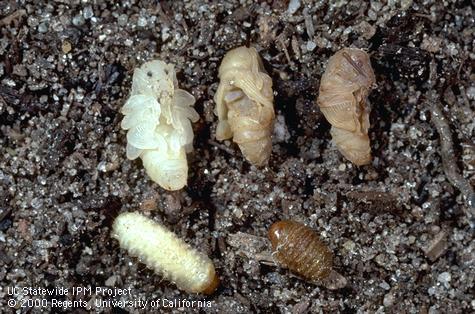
400,228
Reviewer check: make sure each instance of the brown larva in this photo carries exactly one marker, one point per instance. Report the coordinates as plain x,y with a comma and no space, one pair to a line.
344,87
299,248
244,104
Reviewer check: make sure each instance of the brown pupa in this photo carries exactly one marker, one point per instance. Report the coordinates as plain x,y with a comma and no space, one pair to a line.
344,88
245,104
300,249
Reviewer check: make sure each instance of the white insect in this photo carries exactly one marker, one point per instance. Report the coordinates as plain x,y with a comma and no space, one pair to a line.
245,104
162,251
158,118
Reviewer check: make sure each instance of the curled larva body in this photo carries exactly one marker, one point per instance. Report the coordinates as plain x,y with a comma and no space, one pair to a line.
158,118
245,104
344,88
299,248
162,251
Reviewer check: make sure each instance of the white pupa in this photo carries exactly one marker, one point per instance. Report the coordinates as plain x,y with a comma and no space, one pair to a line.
158,118
162,251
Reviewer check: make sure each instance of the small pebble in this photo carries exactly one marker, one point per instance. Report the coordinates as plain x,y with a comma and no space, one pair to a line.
294,5
122,19
88,12
32,21
385,285
111,281
78,20
66,46
444,278
43,28
388,299
142,22
471,93
311,45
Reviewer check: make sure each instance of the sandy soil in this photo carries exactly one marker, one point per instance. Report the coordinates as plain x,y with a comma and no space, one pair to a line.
399,228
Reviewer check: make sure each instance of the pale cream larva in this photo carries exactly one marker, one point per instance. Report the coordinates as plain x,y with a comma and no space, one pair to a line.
162,251
158,118
344,88
245,104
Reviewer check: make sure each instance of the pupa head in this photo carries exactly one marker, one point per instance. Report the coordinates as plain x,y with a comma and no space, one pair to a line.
353,65
240,58
154,78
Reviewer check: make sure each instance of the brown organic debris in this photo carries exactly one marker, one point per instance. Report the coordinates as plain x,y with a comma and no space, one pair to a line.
437,246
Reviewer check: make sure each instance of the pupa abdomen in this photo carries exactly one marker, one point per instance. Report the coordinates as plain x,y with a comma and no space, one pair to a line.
244,104
344,88
299,248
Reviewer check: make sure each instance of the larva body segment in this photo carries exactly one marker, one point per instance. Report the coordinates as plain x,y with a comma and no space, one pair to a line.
162,251
344,88
158,118
299,248
244,104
